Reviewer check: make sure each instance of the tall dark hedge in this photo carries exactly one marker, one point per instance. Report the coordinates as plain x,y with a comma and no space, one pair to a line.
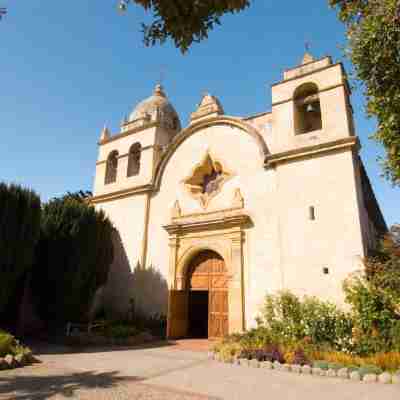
73,258
19,232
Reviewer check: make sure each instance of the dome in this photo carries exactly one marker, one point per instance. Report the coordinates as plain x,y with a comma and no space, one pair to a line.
157,108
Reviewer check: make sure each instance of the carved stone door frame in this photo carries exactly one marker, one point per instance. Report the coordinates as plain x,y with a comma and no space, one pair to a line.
222,232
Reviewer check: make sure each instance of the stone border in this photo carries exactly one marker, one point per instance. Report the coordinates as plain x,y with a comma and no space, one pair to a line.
343,373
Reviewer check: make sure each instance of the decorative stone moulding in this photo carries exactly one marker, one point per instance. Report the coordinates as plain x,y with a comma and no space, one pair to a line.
208,107
206,180
238,200
137,123
105,134
176,211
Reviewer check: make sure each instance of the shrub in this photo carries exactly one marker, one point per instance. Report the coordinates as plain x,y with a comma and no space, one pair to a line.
376,323
292,319
156,324
369,369
6,343
19,232
228,351
248,354
386,361
337,358
395,336
10,345
121,331
289,357
72,260
321,364
274,353
255,338
300,357
335,366
374,297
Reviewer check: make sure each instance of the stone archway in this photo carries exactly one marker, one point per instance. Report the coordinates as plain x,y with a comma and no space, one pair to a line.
207,284
219,232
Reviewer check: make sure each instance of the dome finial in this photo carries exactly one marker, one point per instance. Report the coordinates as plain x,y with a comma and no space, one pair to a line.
159,90
307,58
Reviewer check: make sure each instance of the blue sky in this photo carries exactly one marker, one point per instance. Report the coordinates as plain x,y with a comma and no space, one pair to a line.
66,68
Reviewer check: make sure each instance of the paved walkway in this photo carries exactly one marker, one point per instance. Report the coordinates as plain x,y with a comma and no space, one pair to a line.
170,372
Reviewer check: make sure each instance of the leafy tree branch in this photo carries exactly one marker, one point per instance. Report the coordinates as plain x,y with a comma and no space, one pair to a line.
373,28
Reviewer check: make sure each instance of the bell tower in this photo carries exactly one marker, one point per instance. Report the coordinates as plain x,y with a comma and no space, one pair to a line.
311,106
127,160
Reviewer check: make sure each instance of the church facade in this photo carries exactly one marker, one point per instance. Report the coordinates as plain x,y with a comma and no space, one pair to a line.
214,216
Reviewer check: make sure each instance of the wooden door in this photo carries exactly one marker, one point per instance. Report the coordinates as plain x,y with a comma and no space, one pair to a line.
208,272
218,313
177,323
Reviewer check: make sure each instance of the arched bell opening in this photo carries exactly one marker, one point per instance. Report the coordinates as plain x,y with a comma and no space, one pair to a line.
307,109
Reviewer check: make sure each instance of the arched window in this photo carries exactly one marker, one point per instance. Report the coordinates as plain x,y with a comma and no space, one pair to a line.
134,159
307,113
111,167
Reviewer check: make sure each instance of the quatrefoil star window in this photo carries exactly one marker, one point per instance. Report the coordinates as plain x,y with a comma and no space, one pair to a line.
206,179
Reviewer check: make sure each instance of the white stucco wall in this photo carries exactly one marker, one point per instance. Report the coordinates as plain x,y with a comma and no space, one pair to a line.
127,215
239,153
333,239
283,248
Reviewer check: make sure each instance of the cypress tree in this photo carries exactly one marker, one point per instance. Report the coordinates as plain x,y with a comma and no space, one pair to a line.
19,232
73,258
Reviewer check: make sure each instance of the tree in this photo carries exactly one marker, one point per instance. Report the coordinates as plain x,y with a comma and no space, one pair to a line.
374,48
395,233
183,21
19,233
73,258
375,299
81,195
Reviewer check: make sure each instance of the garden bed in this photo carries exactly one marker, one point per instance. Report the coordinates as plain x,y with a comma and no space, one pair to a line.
13,354
111,335
310,336
368,374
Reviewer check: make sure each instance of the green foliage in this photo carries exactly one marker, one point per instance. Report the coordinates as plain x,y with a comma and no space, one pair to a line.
335,366
227,349
80,195
121,331
374,48
183,21
375,301
369,369
321,364
10,345
6,343
294,319
19,232
73,257
256,338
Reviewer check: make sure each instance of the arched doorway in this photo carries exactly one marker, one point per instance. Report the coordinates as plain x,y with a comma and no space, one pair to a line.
207,284
200,308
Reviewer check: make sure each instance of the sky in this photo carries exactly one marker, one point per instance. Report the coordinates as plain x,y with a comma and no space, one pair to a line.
69,67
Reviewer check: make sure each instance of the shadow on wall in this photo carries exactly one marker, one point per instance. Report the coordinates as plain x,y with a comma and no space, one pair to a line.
146,287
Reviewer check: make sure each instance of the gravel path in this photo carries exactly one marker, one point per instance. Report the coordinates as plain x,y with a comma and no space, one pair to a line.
52,381
170,373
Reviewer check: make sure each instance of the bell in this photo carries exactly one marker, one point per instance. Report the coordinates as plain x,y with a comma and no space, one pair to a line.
310,108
